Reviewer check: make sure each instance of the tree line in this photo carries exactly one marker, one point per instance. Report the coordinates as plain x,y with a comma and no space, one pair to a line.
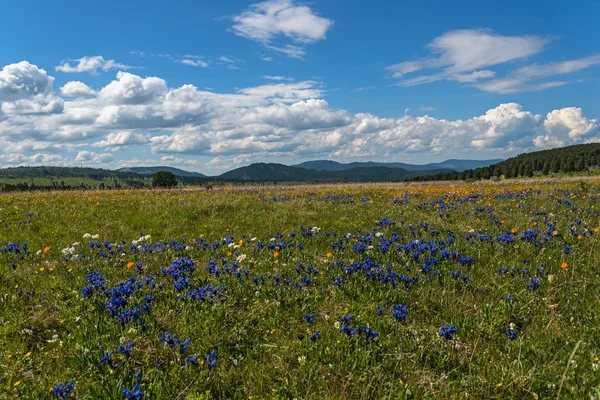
575,158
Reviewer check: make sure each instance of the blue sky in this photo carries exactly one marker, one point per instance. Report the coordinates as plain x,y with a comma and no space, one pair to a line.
209,86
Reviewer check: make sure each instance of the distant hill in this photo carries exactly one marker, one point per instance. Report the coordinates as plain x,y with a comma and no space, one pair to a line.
153,170
577,158
261,172
455,165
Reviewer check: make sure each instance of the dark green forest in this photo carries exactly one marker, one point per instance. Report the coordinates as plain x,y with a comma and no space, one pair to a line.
578,158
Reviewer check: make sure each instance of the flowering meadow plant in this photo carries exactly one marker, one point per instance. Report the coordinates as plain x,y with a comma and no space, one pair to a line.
483,290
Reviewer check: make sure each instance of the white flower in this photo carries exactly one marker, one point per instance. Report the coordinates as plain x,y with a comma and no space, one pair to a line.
96,236
241,257
147,237
37,253
302,360
253,239
378,234
87,236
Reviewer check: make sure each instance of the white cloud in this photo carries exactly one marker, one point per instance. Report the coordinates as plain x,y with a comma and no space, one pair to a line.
88,157
264,22
193,63
290,50
567,125
90,64
277,78
360,89
521,79
76,89
122,139
26,89
281,120
131,89
465,56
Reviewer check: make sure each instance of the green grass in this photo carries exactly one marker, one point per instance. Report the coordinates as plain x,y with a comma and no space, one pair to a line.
56,335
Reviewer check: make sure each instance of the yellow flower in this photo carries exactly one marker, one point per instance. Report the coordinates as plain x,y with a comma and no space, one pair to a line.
499,385
17,383
42,269
28,354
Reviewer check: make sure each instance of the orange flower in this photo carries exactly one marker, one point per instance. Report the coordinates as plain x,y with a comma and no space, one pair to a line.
514,230
579,237
276,254
130,265
46,249
329,255
564,265
202,236
241,242
554,233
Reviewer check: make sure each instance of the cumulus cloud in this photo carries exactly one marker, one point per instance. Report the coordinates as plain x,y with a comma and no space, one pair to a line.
132,89
279,120
122,139
566,126
265,21
466,56
27,89
76,89
90,65
88,157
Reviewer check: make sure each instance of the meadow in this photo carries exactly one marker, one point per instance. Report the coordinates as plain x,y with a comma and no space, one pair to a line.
393,291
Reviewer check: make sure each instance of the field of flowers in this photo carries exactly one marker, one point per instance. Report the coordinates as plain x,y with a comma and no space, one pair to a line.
325,292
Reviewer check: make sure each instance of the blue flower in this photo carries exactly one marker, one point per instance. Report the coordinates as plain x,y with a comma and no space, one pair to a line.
135,394
62,390
107,358
447,332
399,313
309,317
512,334
125,350
313,337
211,359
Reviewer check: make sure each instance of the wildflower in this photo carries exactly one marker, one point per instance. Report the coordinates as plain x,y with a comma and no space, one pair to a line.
313,337
17,383
135,394
107,358
46,250
62,390
511,333
564,265
309,317
514,230
130,264
193,360
276,254
329,255
534,283
125,350
447,332
567,249
399,313
211,359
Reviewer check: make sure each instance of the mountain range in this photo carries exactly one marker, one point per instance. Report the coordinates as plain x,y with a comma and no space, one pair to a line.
455,165
153,170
